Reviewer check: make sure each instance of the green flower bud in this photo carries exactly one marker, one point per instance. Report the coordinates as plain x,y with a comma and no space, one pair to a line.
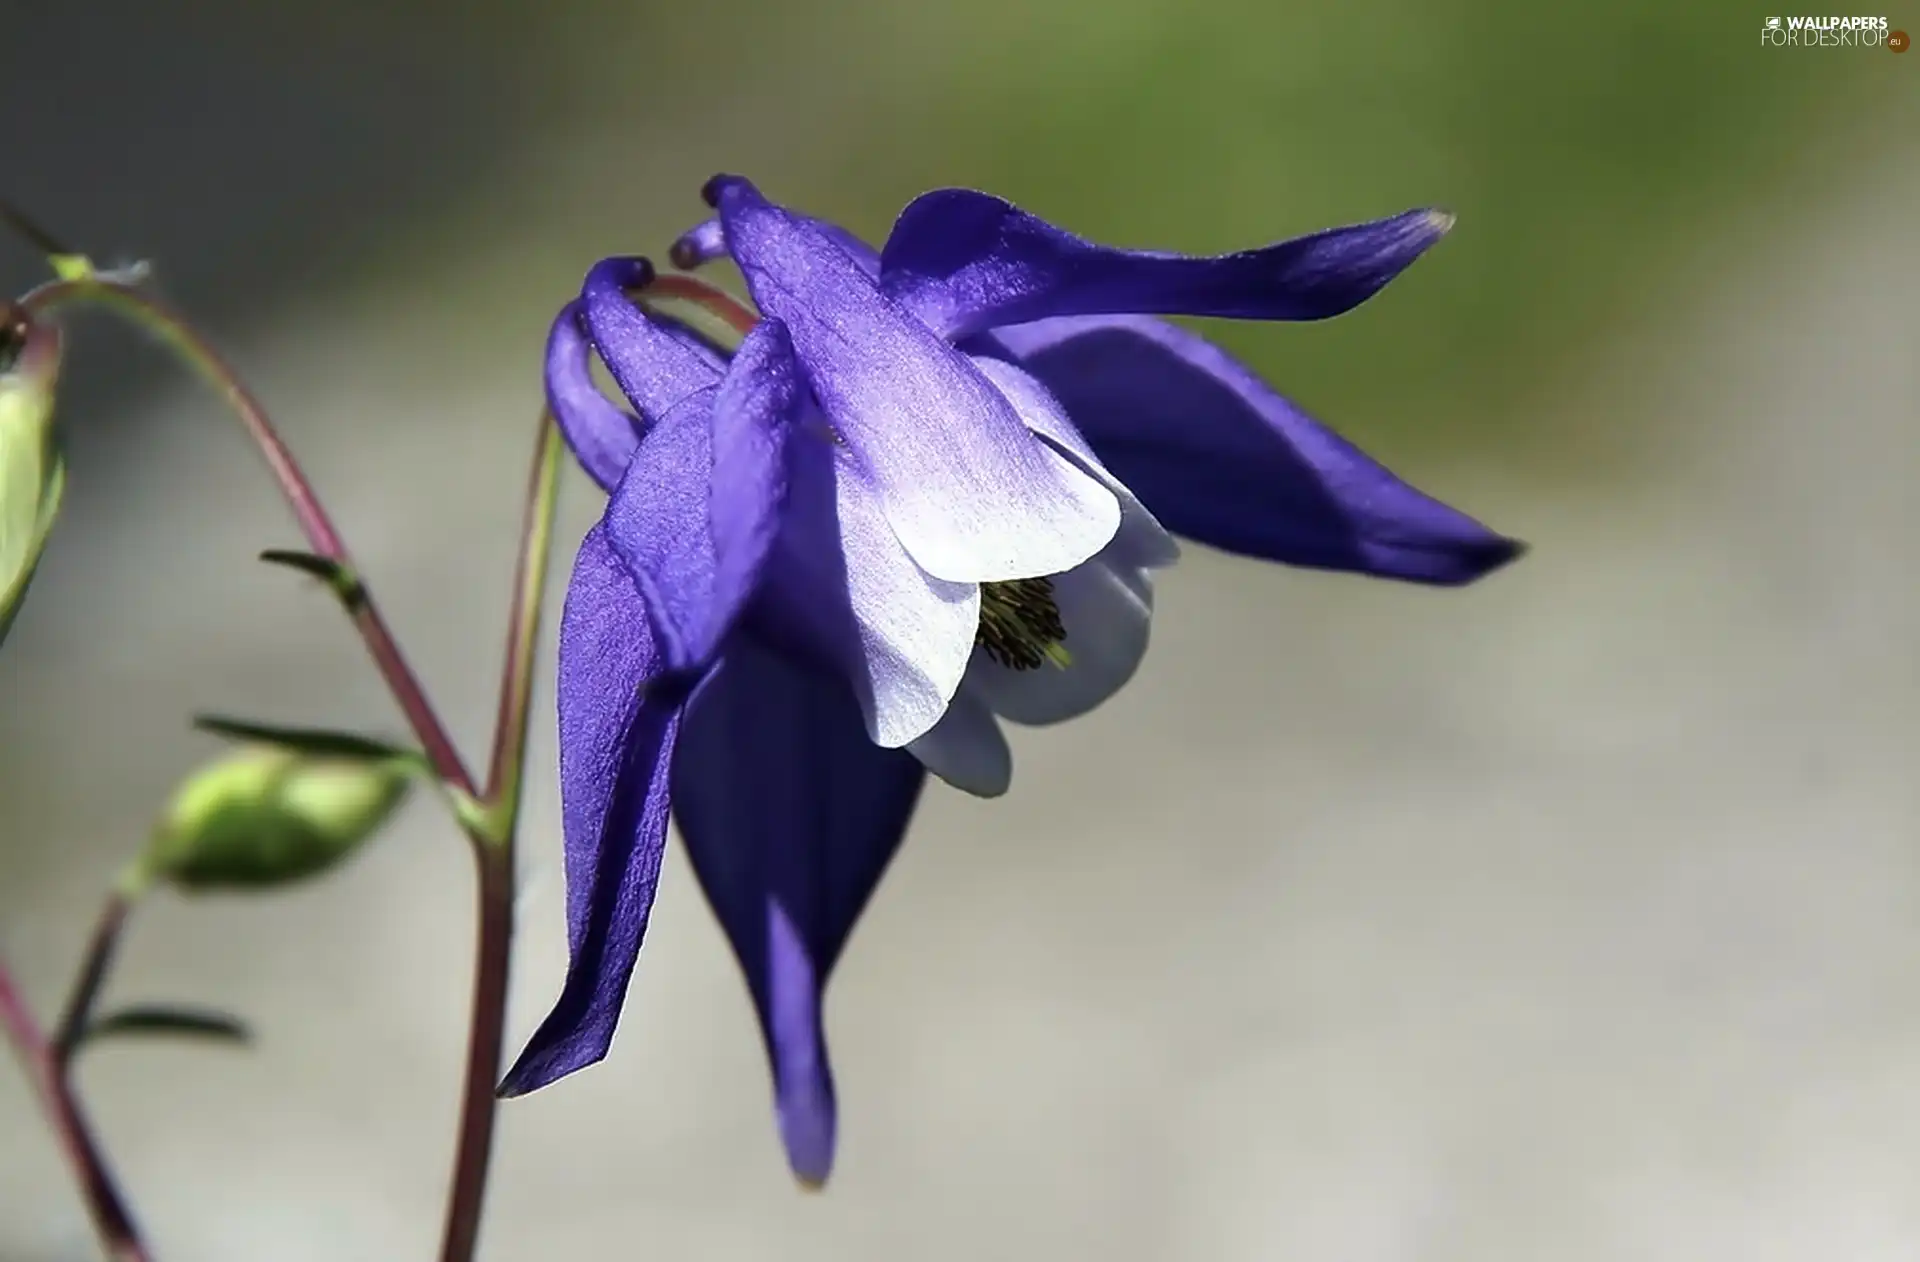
265,816
32,474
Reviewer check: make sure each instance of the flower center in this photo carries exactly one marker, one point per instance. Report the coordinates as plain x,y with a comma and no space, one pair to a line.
1020,625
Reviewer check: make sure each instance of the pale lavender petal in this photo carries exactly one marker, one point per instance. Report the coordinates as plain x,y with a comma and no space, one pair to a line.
790,816
967,749
1219,457
966,262
840,590
1141,541
616,742
966,488
601,433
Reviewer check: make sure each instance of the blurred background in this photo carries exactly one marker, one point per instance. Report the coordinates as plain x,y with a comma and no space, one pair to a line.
1575,915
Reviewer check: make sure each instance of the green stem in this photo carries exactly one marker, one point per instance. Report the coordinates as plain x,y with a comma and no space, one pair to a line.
493,854
507,765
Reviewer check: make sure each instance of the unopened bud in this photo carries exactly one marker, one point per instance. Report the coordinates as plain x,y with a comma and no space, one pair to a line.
265,816
32,474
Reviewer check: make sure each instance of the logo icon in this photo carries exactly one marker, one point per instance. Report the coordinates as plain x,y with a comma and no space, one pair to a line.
1899,41
1773,24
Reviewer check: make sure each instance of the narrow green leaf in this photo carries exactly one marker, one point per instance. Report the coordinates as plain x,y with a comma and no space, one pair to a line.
167,1020
313,741
306,562
344,582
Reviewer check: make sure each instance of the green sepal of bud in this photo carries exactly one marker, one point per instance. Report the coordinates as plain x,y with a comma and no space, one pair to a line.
33,476
265,816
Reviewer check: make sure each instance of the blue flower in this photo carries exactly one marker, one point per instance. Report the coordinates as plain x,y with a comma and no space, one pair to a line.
925,494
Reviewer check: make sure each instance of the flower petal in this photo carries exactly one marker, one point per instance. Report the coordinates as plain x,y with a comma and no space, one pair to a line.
840,590
790,816
967,749
657,522
656,364
616,741
1141,541
698,245
1221,458
701,502
970,494
1107,610
706,242
601,433
753,416
965,262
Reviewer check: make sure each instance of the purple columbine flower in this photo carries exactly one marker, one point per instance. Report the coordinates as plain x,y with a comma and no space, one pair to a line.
924,495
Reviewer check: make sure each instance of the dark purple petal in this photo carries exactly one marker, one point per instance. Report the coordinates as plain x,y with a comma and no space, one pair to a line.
753,416
616,744
601,433
790,816
966,262
656,363
970,493
701,502
1219,457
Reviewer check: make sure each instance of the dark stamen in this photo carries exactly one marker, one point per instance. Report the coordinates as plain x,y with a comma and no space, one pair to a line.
1020,625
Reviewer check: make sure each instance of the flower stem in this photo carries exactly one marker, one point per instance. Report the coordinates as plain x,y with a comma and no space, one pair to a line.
194,350
486,1041
508,762
101,948
489,822
493,854
49,1061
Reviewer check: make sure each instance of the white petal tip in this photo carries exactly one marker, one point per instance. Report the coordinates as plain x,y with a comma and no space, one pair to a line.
985,793
967,749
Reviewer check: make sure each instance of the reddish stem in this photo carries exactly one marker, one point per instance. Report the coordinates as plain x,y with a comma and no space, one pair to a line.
717,302
48,1068
315,524
486,1040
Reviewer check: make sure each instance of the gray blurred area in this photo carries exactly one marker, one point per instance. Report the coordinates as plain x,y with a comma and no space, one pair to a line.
1573,916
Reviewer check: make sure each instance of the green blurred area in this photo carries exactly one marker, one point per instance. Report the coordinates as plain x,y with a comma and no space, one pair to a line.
1585,151
1593,156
